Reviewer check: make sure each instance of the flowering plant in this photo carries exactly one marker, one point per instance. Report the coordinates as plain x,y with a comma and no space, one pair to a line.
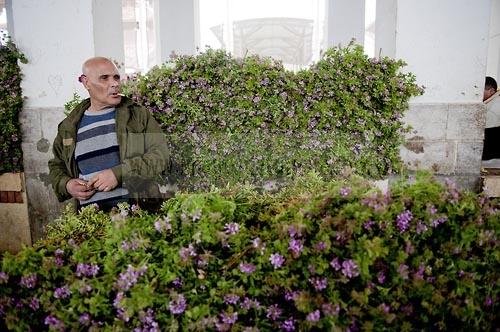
11,105
249,120
317,255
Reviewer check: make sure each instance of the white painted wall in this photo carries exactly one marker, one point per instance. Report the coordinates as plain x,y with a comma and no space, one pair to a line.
108,29
493,67
385,28
176,27
444,43
346,20
56,37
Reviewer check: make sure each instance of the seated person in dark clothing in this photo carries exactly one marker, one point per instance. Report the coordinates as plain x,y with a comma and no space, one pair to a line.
491,98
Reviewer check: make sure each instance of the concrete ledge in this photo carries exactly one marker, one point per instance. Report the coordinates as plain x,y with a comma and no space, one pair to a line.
11,182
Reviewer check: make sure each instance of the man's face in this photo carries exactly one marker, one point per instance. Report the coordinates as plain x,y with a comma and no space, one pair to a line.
488,92
102,80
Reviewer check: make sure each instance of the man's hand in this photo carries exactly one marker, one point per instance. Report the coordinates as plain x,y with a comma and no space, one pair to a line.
103,181
79,189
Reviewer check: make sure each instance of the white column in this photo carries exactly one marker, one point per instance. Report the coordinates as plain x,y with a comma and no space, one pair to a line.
346,20
176,27
108,29
493,66
56,37
385,28
445,44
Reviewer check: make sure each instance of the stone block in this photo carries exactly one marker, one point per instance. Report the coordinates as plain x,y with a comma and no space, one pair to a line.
50,119
491,185
427,120
35,161
30,124
466,121
437,156
11,182
469,157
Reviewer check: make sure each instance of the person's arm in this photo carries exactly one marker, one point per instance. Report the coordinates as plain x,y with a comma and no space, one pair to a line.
155,159
58,174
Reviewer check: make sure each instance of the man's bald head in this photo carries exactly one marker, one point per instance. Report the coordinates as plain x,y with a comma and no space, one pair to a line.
102,80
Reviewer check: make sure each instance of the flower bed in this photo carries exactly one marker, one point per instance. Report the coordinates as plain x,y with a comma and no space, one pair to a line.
315,256
231,120
11,105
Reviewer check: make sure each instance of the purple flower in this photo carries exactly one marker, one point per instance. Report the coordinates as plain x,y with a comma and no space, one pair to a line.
84,319
276,260
28,281
421,227
381,277
62,292
229,318
177,282
290,296
288,325
231,298
488,301
54,323
129,278
419,275
4,277
185,253
247,268
403,220
163,225
247,303
273,312
84,289
345,191
368,225
34,303
335,263
177,305
295,246
319,283
329,309
232,228
350,268
313,316
87,270
294,231
320,246
436,222
403,271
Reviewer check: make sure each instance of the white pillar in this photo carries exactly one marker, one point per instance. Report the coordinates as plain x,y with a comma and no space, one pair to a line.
346,20
108,29
493,66
176,27
445,44
385,28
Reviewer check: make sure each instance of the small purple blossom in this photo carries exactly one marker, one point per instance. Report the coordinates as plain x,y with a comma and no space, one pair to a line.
84,319
335,264
54,323
163,225
368,225
345,191
288,325
185,253
421,227
313,316
291,295
403,220
320,246
34,303
436,222
87,270
403,271
488,301
247,268
276,260
295,246
232,228
28,281
231,298
229,318
381,277
329,309
294,231
62,292
350,268
177,282
319,283
273,312
130,277
4,277
178,305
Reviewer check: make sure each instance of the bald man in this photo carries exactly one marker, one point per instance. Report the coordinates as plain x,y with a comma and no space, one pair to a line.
109,149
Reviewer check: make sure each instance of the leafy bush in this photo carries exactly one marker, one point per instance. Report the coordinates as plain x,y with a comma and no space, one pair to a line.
319,255
234,120
11,105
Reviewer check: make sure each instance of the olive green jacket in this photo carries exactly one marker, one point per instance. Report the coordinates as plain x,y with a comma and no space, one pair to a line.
142,144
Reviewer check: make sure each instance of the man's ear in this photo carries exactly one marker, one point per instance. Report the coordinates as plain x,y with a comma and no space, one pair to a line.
84,80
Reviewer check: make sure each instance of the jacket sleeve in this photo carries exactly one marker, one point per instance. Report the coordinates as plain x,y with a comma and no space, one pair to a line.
155,159
58,173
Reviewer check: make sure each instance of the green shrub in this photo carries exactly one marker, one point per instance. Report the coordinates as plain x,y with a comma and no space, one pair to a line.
231,120
328,256
11,105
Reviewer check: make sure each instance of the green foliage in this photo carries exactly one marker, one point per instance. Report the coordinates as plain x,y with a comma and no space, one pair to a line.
423,256
70,105
11,105
231,120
